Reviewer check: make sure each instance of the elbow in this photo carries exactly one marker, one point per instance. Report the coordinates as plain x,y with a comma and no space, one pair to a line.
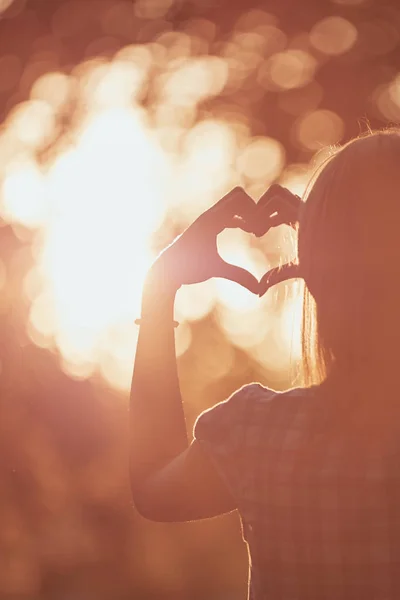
139,501
145,506
151,513
144,511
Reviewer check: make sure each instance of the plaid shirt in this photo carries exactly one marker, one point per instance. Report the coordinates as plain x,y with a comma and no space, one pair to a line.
321,519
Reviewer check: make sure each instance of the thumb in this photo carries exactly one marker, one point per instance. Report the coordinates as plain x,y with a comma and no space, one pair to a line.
278,274
238,275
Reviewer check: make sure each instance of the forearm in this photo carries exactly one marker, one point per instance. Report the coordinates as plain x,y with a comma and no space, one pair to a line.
157,423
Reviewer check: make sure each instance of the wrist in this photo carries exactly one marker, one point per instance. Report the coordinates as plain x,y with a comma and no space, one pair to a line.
160,279
158,297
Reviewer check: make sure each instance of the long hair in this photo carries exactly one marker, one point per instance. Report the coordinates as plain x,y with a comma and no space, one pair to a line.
349,256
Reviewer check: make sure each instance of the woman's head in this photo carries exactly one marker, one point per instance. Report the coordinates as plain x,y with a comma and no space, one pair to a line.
349,255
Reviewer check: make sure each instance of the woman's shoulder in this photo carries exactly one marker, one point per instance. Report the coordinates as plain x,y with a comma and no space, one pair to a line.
248,402
257,392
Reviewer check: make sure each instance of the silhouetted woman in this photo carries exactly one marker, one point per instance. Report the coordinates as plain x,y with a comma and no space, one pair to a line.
315,471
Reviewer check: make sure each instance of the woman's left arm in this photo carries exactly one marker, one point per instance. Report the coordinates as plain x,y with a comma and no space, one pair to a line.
170,479
161,461
157,424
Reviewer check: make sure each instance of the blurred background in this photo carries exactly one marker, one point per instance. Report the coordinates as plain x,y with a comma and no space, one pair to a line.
121,121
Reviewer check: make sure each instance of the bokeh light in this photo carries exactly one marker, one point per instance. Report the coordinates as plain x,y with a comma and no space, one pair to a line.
97,201
139,150
333,35
261,160
5,4
318,128
287,70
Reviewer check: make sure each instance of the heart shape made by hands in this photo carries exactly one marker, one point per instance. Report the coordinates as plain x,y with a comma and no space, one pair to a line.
278,206
193,257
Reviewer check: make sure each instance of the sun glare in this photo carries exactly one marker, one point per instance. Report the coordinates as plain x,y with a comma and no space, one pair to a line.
100,194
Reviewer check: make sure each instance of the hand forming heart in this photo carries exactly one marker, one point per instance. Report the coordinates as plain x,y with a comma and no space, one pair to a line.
193,257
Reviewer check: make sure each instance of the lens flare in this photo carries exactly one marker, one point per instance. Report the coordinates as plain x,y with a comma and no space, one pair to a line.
122,171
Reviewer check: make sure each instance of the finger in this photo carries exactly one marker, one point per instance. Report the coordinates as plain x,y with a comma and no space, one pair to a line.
277,275
238,275
279,193
268,218
239,223
283,205
235,200
278,219
281,200
265,222
278,211
236,203
274,191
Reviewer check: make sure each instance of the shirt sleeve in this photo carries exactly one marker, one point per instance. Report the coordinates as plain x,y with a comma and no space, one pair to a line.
222,432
